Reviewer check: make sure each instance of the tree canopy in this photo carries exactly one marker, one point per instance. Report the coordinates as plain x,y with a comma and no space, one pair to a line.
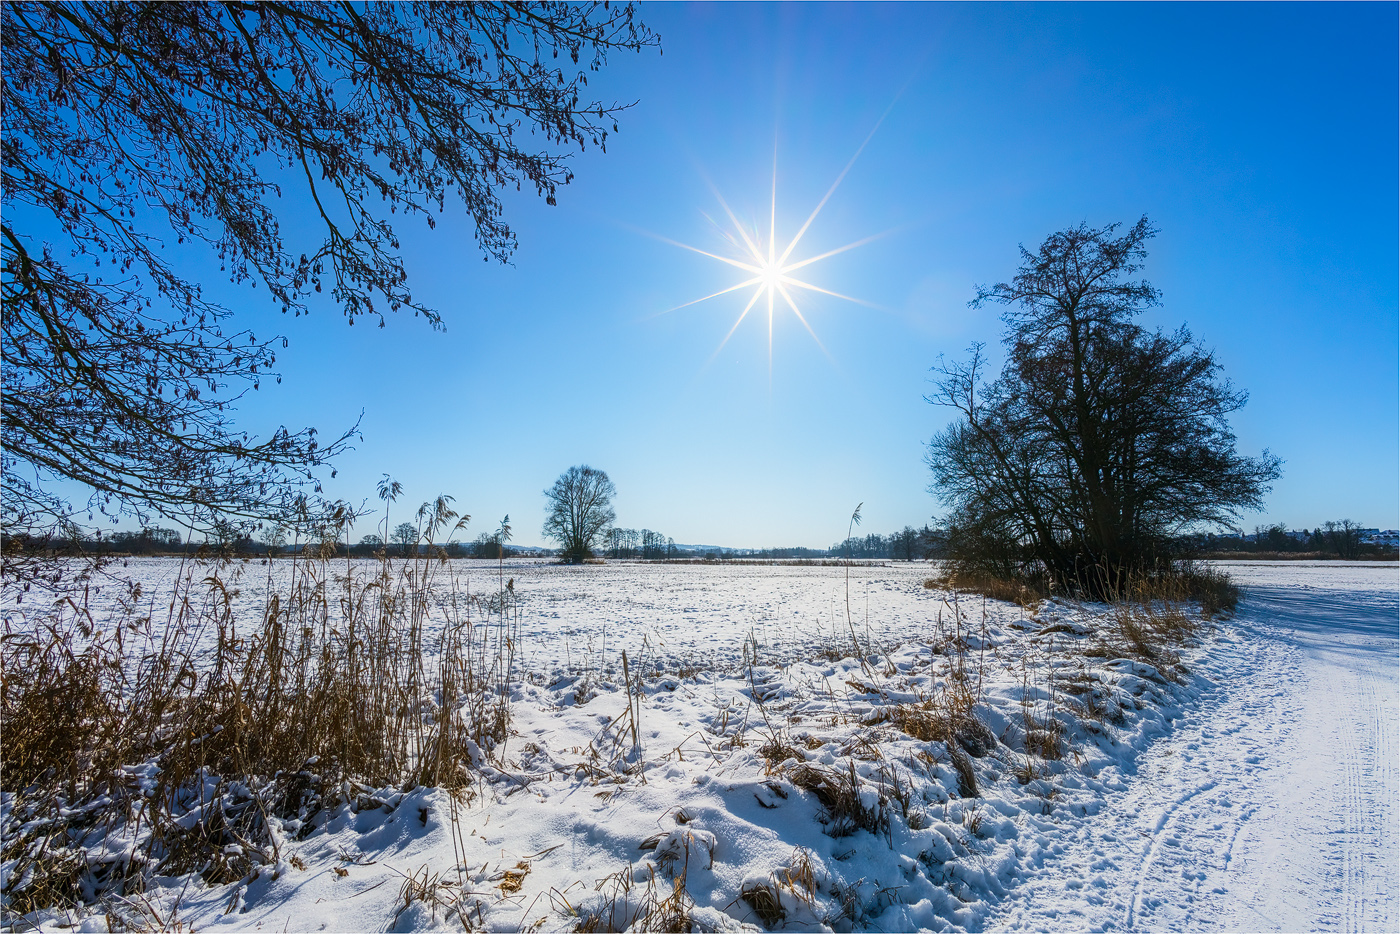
1100,440
580,511
136,133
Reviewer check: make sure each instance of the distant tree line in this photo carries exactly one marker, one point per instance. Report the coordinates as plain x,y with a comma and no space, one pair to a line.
775,554
149,541
152,541
908,544
1341,538
169,542
635,543
143,542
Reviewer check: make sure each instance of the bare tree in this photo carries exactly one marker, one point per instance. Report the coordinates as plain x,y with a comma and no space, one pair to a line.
407,538
274,538
1343,537
905,544
580,511
1100,440
133,130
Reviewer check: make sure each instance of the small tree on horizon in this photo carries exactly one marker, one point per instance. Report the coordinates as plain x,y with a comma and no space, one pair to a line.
904,544
580,511
406,536
1343,537
274,538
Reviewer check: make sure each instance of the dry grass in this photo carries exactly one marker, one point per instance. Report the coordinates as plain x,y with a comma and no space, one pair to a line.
329,688
763,898
1187,582
929,722
629,907
1027,592
948,716
777,751
838,790
437,893
963,735
1148,632
139,913
1047,743
800,874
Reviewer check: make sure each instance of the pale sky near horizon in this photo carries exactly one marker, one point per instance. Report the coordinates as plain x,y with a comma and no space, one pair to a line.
1261,139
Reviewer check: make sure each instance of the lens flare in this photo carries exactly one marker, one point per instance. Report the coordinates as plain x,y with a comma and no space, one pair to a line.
769,266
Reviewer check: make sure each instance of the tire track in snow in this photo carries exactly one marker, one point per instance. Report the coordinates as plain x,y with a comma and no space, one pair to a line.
1272,804
1368,767
1150,852
1180,801
1349,807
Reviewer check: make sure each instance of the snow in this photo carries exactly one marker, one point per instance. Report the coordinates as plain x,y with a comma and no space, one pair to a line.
1257,792
1272,805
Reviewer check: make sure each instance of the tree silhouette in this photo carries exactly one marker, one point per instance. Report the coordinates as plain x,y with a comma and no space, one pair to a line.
1100,440
580,511
406,536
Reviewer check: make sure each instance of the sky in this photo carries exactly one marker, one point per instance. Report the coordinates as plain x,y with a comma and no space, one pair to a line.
1261,139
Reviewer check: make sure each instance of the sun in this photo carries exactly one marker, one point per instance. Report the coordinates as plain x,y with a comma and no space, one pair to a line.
769,266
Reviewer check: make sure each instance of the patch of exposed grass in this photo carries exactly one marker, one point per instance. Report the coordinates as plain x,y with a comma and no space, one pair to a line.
763,898
929,723
1149,632
1187,582
1026,591
1047,743
627,906
838,790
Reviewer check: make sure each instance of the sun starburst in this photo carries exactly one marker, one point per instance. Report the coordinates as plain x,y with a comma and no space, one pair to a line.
769,266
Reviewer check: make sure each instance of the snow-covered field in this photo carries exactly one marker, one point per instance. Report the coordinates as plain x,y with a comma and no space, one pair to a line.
774,780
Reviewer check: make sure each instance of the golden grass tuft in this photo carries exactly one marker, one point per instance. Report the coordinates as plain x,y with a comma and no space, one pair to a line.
763,898
1027,592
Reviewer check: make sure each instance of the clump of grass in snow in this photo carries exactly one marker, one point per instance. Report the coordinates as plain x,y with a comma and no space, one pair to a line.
764,899
1025,591
1153,615
841,793
437,893
948,716
1186,582
623,905
929,722
141,913
1042,732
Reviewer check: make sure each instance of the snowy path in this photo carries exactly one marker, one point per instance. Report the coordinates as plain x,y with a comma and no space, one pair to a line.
1272,806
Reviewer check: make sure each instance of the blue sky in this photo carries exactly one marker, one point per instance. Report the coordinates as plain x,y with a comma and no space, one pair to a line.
1261,139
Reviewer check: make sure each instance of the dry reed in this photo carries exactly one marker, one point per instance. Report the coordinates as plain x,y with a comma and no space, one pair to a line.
187,732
